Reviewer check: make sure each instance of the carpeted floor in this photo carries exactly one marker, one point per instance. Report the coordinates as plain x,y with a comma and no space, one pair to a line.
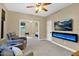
45,48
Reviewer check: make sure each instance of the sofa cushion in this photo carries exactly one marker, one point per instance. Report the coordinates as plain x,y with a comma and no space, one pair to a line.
5,51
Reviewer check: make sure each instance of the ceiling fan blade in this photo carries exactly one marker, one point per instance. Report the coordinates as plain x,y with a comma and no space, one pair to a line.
29,6
44,9
36,11
45,4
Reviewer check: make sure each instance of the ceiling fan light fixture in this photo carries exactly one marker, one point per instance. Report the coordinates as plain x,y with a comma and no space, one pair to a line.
39,7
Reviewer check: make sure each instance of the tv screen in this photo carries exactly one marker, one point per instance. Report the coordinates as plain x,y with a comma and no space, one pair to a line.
66,36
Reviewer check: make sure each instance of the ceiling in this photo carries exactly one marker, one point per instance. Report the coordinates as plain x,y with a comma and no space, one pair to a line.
21,7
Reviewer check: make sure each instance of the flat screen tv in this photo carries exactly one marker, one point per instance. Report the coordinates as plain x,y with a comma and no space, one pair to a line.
66,36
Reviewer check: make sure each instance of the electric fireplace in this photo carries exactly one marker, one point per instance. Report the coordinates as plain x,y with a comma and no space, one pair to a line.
66,36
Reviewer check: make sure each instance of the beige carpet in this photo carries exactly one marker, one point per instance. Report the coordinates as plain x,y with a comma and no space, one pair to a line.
45,48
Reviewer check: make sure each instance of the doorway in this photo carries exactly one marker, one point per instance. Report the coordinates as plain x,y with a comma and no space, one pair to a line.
29,28
49,30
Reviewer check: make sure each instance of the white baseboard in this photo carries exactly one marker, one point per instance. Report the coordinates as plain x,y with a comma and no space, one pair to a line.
43,39
72,50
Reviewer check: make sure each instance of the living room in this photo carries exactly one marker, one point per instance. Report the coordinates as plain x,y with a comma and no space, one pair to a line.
65,12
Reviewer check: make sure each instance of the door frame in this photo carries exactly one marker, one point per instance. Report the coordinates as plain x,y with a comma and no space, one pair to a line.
24,20
21,20
49,30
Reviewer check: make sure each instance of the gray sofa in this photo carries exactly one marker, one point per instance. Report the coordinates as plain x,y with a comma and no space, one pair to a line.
13,40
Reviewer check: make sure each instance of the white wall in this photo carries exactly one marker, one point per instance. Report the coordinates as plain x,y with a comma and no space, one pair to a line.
71,11
14,17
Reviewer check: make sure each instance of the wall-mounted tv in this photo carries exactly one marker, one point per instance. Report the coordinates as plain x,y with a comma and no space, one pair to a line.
64,25
66,36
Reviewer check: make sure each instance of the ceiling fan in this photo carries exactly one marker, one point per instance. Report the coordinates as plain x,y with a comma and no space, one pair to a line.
39,7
